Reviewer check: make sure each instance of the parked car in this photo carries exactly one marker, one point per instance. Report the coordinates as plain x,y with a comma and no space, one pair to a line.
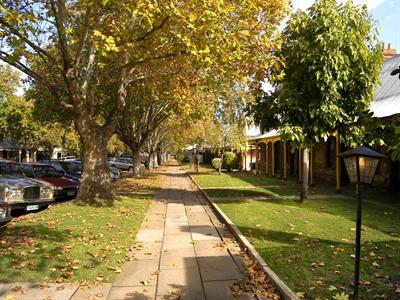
70,168
114,173
67,158
74,170
23,193
5,213
64,187
122,163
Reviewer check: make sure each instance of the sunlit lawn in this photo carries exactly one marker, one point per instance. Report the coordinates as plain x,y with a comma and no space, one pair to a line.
310,245
72,242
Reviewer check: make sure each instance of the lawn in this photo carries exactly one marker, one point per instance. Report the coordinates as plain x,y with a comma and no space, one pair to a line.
72,242
208,177
310,245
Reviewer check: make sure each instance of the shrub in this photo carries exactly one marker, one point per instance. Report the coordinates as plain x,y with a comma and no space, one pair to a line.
230,160
180,156
216,162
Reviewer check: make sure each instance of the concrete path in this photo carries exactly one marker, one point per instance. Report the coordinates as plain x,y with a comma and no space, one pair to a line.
178,254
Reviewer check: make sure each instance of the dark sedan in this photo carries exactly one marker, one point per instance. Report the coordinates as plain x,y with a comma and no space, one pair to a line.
64,187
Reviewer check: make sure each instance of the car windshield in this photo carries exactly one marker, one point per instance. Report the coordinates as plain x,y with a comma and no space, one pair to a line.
47,171
11,169
71,167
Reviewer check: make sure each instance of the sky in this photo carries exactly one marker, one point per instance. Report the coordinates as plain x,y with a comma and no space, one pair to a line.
385,12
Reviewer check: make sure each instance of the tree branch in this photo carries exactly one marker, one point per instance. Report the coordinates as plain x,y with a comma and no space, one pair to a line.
84,37
42,53
59,16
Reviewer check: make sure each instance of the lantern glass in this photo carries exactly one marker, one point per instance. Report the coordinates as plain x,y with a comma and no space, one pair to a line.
367,166
351,167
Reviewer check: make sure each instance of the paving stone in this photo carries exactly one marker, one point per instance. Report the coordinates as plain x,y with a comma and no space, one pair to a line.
178,259
153,224
149,235
187,281
155,216
177,241
176,228
218,268
220,290
137,273
132,293
200,221
30,291
177,219
99,292
210,248
196,208
4,287
141,251
198,214
201,233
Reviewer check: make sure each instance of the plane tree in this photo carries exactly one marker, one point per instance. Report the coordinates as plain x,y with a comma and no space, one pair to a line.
91,51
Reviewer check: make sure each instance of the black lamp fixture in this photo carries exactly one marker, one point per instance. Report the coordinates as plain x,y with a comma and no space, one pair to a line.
361,164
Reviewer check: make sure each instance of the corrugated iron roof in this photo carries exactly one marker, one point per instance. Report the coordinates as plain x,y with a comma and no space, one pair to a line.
271,133
8,145
386,101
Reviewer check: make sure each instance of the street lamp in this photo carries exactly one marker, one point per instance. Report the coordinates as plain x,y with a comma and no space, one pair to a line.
361,164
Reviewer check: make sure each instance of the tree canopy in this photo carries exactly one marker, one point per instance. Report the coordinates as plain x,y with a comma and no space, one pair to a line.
328,72
331,59
91,51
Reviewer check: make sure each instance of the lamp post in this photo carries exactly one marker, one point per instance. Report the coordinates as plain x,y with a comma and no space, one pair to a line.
361,164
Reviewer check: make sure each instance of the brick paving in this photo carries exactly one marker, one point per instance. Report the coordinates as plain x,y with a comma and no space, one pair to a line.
178,254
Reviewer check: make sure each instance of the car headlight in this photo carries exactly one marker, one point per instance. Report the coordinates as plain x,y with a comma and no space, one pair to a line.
58,188
13,194
3,213
46,192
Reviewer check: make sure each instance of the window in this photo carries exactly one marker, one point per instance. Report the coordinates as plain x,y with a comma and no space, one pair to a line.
47,171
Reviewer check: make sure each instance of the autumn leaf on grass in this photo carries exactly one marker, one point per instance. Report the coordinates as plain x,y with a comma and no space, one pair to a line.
300,294
10,297
375,264
365,282
93,254
332,288
341,296
115,269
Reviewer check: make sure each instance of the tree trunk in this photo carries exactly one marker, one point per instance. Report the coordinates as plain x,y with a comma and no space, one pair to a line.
95,183
136,161
220,166
305,170
155,160
151,161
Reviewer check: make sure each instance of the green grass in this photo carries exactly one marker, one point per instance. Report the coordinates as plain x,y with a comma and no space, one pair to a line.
72,242
208,177
310,245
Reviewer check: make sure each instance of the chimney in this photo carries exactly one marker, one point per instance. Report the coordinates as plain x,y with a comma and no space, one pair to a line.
387,51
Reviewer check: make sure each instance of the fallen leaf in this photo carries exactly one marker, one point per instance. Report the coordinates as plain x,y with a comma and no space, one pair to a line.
300,294
375,264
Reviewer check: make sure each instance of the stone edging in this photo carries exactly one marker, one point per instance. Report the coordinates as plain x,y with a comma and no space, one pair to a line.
284,290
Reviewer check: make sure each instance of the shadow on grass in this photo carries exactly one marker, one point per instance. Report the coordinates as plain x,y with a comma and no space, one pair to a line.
33,249
313,264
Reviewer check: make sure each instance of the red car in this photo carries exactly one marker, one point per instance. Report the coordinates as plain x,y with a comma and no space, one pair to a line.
64,187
